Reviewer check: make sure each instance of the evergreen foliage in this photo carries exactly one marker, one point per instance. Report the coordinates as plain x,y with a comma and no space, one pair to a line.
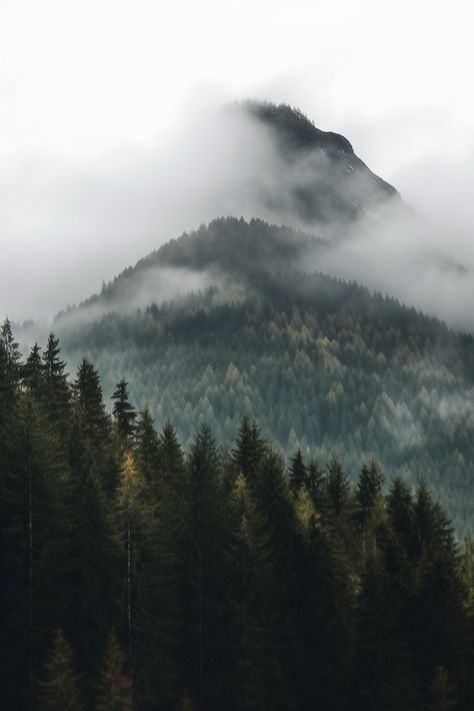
236,580
321,363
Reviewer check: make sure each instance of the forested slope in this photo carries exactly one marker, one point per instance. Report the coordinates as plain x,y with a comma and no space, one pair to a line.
138,574
321,363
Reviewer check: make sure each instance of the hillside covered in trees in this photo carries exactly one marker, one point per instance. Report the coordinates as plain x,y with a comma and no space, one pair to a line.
258,330
138,574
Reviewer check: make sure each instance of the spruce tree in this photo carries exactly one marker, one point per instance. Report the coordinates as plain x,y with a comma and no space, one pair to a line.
130,514
60,690
33,376
147,449
249,448
298,471
337,487
56,388
114,691
88,393
123,412
442,692
369,490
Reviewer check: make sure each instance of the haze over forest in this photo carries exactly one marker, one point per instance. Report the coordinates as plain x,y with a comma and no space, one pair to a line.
112,141
236,355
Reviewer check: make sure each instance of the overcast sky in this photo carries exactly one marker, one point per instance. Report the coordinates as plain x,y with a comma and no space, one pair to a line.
87,86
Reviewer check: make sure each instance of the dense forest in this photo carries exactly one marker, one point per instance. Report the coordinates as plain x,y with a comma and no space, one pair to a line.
138,574
322,364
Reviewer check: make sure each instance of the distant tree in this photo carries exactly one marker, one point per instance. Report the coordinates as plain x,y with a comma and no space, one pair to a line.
316,485
10,369
249,448
33,377
129,513
402,514
123,411
114,691
442,692
170,453
337,486
147,448
60,689
88,394
56,387
298,471
369,490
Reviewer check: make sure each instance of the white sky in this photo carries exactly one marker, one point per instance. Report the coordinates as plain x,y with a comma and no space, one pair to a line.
83,81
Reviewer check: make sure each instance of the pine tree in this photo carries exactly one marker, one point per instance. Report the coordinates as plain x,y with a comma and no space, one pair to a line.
123,411
10,367
114,692
298,471
442,692
56,387
93,550
249,448
315,485
261,678
337,487
369,490
34,528
130,510
402,515
61,688
210,646
147,449
159,598
33,376
88,394
170,454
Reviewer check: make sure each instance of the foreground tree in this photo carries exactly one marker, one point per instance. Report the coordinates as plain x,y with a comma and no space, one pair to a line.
114,692
123,411
60,690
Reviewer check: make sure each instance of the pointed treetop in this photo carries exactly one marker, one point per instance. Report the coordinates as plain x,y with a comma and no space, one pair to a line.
114,692
60,689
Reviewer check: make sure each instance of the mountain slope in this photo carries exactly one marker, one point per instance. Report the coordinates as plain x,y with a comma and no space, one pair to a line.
321,178
321,363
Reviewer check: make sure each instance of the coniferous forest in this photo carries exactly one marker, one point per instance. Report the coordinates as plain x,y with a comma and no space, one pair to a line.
322,363
141,575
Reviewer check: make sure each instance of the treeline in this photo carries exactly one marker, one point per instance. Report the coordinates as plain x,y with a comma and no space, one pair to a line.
138,575
322,365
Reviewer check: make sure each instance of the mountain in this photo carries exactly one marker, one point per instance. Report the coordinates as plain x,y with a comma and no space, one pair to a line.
323,364
321,179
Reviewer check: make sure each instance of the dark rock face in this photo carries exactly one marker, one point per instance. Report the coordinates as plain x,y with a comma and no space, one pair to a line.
324,179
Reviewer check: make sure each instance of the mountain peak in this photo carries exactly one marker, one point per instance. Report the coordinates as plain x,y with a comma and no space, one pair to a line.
295,129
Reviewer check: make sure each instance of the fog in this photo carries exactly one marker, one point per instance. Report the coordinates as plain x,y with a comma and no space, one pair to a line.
112,139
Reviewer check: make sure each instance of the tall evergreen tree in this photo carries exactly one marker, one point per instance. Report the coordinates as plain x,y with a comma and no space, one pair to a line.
56,388
337,487
60,690
114,691
298,471
130,511
147,449
249,448
123,411
33,376
10,368
89,397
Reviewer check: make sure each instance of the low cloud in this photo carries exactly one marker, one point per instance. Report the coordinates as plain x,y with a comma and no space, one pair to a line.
80,224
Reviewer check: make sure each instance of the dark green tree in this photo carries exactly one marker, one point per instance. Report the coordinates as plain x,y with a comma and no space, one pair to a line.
123,411
114,691
60,689
298,471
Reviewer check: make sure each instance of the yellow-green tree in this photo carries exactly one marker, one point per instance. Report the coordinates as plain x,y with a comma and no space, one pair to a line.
60,690
130,511
114,692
